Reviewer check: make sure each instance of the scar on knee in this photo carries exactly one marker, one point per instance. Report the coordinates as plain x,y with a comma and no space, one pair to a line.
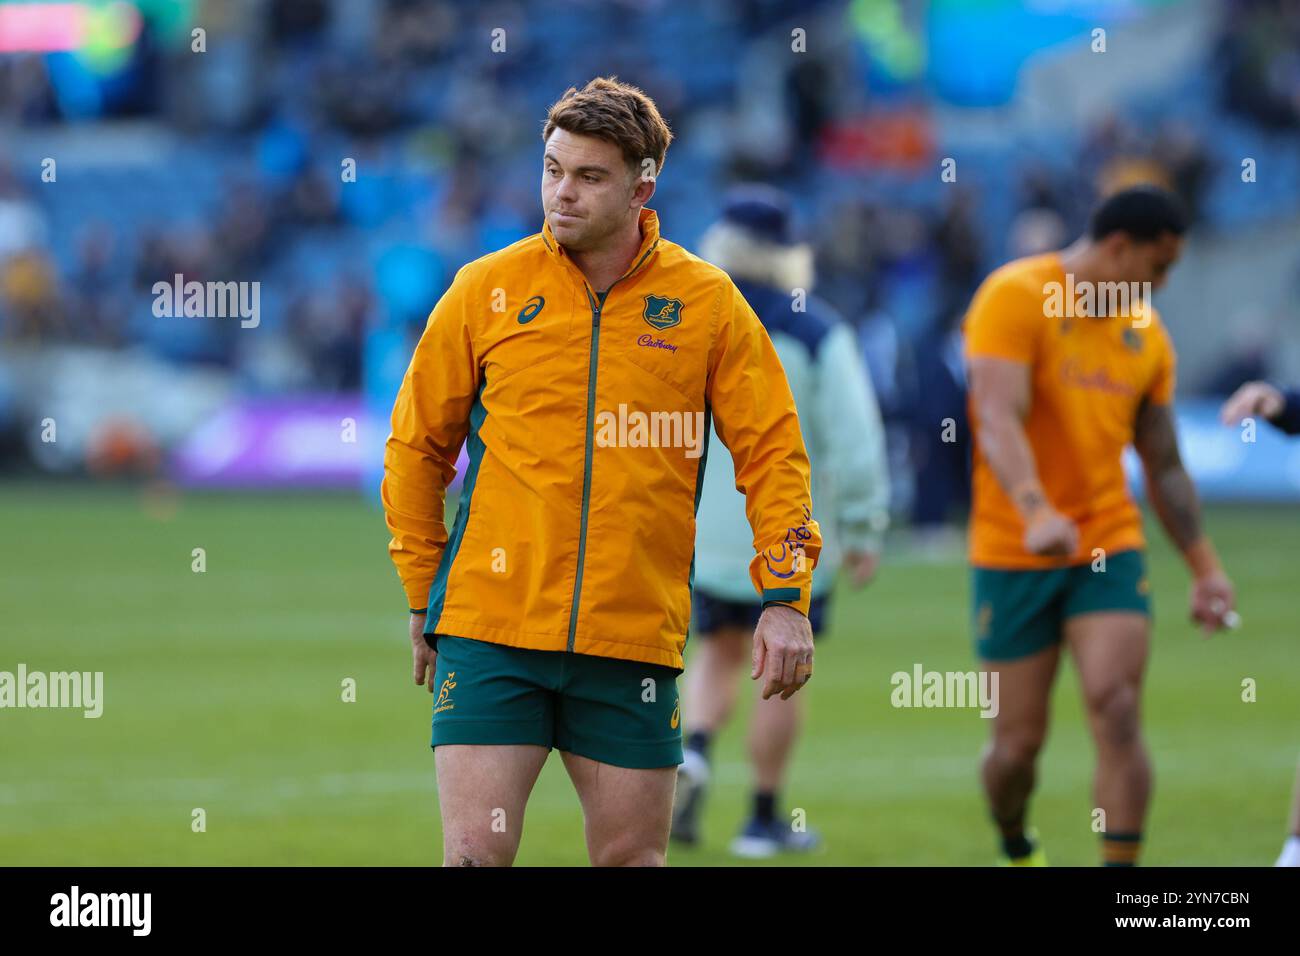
465,860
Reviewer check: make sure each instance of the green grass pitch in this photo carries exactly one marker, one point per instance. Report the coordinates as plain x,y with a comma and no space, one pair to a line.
223,691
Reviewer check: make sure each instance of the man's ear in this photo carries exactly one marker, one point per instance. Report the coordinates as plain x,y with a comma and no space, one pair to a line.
1117,245
643,183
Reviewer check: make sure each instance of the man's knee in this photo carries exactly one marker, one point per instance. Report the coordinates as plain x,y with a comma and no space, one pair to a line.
1113,710
469,852
1019,748
624,852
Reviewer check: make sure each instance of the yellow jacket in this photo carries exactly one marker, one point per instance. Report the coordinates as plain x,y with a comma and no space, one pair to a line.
576,524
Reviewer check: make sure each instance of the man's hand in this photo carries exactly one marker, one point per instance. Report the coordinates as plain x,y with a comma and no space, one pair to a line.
1051,533
425,658
861,566
1212,595
1253,399
783,651
1213,601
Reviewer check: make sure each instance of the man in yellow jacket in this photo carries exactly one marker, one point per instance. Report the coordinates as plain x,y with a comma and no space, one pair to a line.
582,366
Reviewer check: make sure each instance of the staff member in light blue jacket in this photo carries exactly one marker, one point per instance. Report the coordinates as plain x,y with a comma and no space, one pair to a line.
754,242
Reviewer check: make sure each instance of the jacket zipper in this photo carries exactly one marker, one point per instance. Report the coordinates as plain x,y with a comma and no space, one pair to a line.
592,362
586,466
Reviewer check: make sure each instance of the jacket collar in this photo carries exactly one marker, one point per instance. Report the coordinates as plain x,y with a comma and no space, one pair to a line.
649,223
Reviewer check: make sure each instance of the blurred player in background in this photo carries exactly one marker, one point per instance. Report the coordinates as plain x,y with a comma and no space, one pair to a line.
1064,375
755,243
554,614
1282,408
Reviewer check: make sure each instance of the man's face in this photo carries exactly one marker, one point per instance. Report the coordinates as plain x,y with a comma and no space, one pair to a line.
588,190
1136,261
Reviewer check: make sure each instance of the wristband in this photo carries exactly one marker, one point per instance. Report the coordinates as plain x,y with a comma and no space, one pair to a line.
793,607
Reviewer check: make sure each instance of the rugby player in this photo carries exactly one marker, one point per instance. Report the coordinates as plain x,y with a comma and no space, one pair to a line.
555,611
1069,363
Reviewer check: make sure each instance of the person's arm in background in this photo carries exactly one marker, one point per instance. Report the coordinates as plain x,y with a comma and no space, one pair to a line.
754,414
430,422
1174,498
849,437
1002,330
1281,408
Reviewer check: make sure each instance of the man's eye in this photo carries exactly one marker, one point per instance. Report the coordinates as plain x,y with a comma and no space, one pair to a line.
591,179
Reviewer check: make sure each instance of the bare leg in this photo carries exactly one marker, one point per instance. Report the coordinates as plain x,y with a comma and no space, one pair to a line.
1110,651
1019,729
709,692
482,792
626,812
712,680
773,729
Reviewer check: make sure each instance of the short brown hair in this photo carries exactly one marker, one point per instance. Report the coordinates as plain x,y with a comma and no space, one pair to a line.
614,111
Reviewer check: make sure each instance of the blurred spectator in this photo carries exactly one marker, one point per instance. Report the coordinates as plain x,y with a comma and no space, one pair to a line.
242,239
97,310
1259,53
297,21
22,223
940,442
1035,231
1245,353
312,200
330,322
957,238
1179,149
26,95
29,298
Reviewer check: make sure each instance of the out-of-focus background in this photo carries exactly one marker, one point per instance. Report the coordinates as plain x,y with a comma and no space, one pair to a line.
338,161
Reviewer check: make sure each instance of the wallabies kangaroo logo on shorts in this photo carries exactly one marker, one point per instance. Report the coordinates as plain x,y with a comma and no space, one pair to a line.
662,312
444,701
677,714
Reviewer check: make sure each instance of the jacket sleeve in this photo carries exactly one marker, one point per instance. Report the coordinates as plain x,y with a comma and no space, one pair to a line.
849,438
1289,418
430,422
754,414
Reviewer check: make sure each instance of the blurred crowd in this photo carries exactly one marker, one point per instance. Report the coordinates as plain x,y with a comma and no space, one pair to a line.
441,131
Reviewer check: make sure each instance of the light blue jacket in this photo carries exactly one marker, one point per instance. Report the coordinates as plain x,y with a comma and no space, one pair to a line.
844,436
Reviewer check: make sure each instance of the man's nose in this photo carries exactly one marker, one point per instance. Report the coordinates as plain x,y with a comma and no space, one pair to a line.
566,190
